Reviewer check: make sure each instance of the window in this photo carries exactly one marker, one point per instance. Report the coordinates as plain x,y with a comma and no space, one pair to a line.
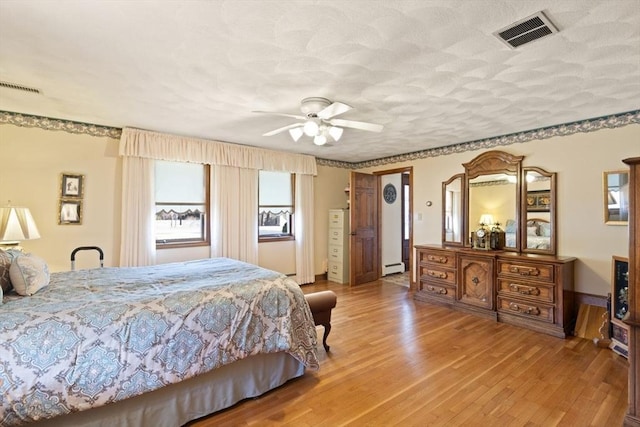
275,206
182,198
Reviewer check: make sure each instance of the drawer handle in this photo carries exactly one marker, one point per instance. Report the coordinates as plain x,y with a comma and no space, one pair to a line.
438,259
441,291
524,290
531,311
437,274
524,271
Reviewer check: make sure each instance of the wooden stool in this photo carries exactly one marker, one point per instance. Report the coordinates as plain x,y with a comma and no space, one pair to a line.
321,304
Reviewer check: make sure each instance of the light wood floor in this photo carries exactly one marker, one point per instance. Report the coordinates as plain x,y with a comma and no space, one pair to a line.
395,361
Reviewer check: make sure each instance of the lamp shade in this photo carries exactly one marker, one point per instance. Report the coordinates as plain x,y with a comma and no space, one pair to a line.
486,219
310,128
335,133
17,224
296,133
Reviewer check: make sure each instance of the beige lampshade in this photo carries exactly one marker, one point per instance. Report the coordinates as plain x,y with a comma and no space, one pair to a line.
17,224
486,219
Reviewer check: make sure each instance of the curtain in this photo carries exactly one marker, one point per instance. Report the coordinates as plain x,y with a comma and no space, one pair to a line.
160,146
304,228
234,195
138,246
234,205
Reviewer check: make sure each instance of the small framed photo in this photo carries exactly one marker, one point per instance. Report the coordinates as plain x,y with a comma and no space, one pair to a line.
70,212
71,185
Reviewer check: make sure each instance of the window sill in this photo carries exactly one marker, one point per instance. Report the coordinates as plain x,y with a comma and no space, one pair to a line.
265,239
176,245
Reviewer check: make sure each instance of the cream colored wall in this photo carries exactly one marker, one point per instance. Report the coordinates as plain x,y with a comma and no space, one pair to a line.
31,161
579,161
329,194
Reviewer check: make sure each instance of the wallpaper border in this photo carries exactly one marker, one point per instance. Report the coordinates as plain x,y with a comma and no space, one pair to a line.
29,121
582,126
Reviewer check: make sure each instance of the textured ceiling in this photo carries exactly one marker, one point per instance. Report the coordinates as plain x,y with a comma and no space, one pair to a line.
431,72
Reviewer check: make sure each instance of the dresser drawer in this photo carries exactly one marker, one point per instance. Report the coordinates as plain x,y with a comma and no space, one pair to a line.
438,290
336,219
534,271
437,273
336,253
530,310
443,258
539,291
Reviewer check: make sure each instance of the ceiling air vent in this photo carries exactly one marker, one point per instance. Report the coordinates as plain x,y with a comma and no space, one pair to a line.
19,87
526,30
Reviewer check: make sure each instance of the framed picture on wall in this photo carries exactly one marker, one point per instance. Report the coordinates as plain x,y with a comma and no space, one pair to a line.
71,186
538,201
70,212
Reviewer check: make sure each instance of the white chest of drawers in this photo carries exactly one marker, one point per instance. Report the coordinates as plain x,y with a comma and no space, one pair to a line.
338,265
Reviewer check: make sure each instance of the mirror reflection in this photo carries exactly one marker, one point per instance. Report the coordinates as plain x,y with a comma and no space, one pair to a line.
538,235
452,210
492,202
616,197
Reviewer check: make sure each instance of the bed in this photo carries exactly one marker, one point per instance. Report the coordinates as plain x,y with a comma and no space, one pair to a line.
538,233
158,345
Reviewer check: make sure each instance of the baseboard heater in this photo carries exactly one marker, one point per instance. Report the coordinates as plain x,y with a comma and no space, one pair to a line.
397,267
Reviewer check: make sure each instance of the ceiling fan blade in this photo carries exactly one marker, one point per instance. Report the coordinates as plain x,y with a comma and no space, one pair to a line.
371,127
282,114
282,129
333,110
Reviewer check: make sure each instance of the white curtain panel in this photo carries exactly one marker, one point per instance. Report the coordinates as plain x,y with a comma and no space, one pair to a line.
304,228
137,242
234,195
234,205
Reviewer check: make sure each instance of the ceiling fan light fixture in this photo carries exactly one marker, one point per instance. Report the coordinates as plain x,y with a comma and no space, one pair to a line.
311,128
335,132
320,139
296,133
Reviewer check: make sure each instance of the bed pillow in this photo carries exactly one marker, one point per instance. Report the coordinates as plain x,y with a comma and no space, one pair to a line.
510,226
1,295
532,231
545,229
29,273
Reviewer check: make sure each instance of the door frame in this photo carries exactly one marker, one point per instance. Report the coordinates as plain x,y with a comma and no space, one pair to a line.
378,174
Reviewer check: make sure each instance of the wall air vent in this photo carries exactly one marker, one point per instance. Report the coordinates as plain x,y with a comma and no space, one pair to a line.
526,30
19,87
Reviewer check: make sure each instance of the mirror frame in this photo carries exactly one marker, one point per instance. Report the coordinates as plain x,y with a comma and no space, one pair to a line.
605,200
492,162
552,210
488,163
463,232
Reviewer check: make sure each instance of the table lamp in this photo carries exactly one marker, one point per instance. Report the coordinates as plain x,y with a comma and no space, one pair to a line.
16,225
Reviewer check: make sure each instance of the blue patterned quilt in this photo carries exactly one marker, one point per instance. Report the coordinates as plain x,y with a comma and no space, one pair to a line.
97,336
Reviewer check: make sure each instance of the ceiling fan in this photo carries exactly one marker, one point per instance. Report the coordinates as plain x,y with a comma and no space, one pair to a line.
319,121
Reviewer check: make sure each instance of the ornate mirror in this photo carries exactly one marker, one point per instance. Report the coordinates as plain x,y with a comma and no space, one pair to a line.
493,195
502,198
616,197
539,211
452,206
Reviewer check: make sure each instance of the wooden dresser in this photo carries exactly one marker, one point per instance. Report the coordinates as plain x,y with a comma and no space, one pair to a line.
527,290
633,414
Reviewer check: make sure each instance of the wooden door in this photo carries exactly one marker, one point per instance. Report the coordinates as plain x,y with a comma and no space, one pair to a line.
363,244
476,281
